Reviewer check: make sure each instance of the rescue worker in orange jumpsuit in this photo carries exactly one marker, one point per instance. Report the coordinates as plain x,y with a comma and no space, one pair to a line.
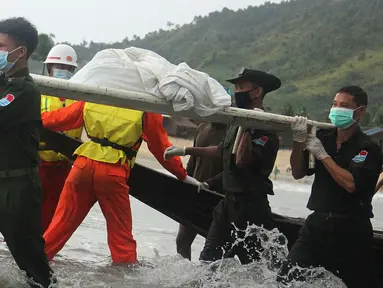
101,171
55,167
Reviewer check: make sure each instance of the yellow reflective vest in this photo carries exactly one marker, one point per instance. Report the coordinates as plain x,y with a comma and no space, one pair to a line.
50,103
120,126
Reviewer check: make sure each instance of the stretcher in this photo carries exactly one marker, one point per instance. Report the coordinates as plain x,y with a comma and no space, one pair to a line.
147,102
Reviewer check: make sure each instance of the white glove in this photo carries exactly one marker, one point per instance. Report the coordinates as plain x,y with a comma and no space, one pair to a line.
172,151
258,110
193,181
315,146
299,129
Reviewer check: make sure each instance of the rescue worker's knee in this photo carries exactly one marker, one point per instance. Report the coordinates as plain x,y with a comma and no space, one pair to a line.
181,242
185,236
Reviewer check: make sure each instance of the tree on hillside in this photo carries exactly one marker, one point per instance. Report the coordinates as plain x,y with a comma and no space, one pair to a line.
170,24
378,118
285,39
366,120
84,43
45,45
303,112
287,110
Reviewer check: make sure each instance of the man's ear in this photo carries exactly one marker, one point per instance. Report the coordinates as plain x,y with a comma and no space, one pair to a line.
258,93
23,52
360,113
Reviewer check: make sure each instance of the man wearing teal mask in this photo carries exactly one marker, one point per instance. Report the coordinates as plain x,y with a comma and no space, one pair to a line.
338,234
20,121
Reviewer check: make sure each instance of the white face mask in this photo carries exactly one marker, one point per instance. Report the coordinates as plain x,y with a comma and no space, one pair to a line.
61,73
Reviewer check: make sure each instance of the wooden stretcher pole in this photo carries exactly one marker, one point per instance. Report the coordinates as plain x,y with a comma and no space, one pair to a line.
311,156
236,142
150,103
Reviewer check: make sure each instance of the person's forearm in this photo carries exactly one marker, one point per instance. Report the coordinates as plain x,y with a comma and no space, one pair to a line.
298,161
340,175
379,185
212,151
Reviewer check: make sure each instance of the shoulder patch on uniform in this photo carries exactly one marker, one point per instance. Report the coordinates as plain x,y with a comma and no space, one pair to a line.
261,140
361,157
6,100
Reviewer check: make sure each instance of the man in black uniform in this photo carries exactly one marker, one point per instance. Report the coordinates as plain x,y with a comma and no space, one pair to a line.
244,179
338,234
202,169
20,189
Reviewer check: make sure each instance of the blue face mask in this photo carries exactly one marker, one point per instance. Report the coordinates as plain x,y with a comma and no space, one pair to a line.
5,66
61,73
342,118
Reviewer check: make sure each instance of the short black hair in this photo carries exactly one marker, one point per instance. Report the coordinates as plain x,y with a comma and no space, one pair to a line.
22,31
360,96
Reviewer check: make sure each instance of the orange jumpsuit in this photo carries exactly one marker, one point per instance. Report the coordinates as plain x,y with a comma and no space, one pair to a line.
90,181
53,176
54,167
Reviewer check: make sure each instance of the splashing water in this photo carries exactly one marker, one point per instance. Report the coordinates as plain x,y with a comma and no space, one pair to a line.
227,273
92,267
174,271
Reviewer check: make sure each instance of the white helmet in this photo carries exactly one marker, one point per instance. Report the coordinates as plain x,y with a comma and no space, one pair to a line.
62,54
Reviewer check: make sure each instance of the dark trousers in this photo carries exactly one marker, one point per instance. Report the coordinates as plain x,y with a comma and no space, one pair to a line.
184,240
20,224
341,246
240,209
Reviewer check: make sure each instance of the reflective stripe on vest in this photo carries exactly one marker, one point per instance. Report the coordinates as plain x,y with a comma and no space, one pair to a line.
49,103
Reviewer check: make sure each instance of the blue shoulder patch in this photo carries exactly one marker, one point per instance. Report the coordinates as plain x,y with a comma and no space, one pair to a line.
6,100
361,157
261,140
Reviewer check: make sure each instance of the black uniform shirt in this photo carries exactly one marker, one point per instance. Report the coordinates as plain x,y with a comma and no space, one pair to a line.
254,178
362,158
20,120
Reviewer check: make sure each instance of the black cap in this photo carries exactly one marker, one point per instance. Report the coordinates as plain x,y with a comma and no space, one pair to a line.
265,80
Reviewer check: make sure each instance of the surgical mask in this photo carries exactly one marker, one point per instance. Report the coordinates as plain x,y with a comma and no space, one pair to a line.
242,99
342,118
5,66
61,73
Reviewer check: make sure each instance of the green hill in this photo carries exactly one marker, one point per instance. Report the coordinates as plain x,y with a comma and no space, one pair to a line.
314,46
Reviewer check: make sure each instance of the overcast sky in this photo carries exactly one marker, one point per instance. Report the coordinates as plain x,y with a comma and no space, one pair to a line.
113,20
